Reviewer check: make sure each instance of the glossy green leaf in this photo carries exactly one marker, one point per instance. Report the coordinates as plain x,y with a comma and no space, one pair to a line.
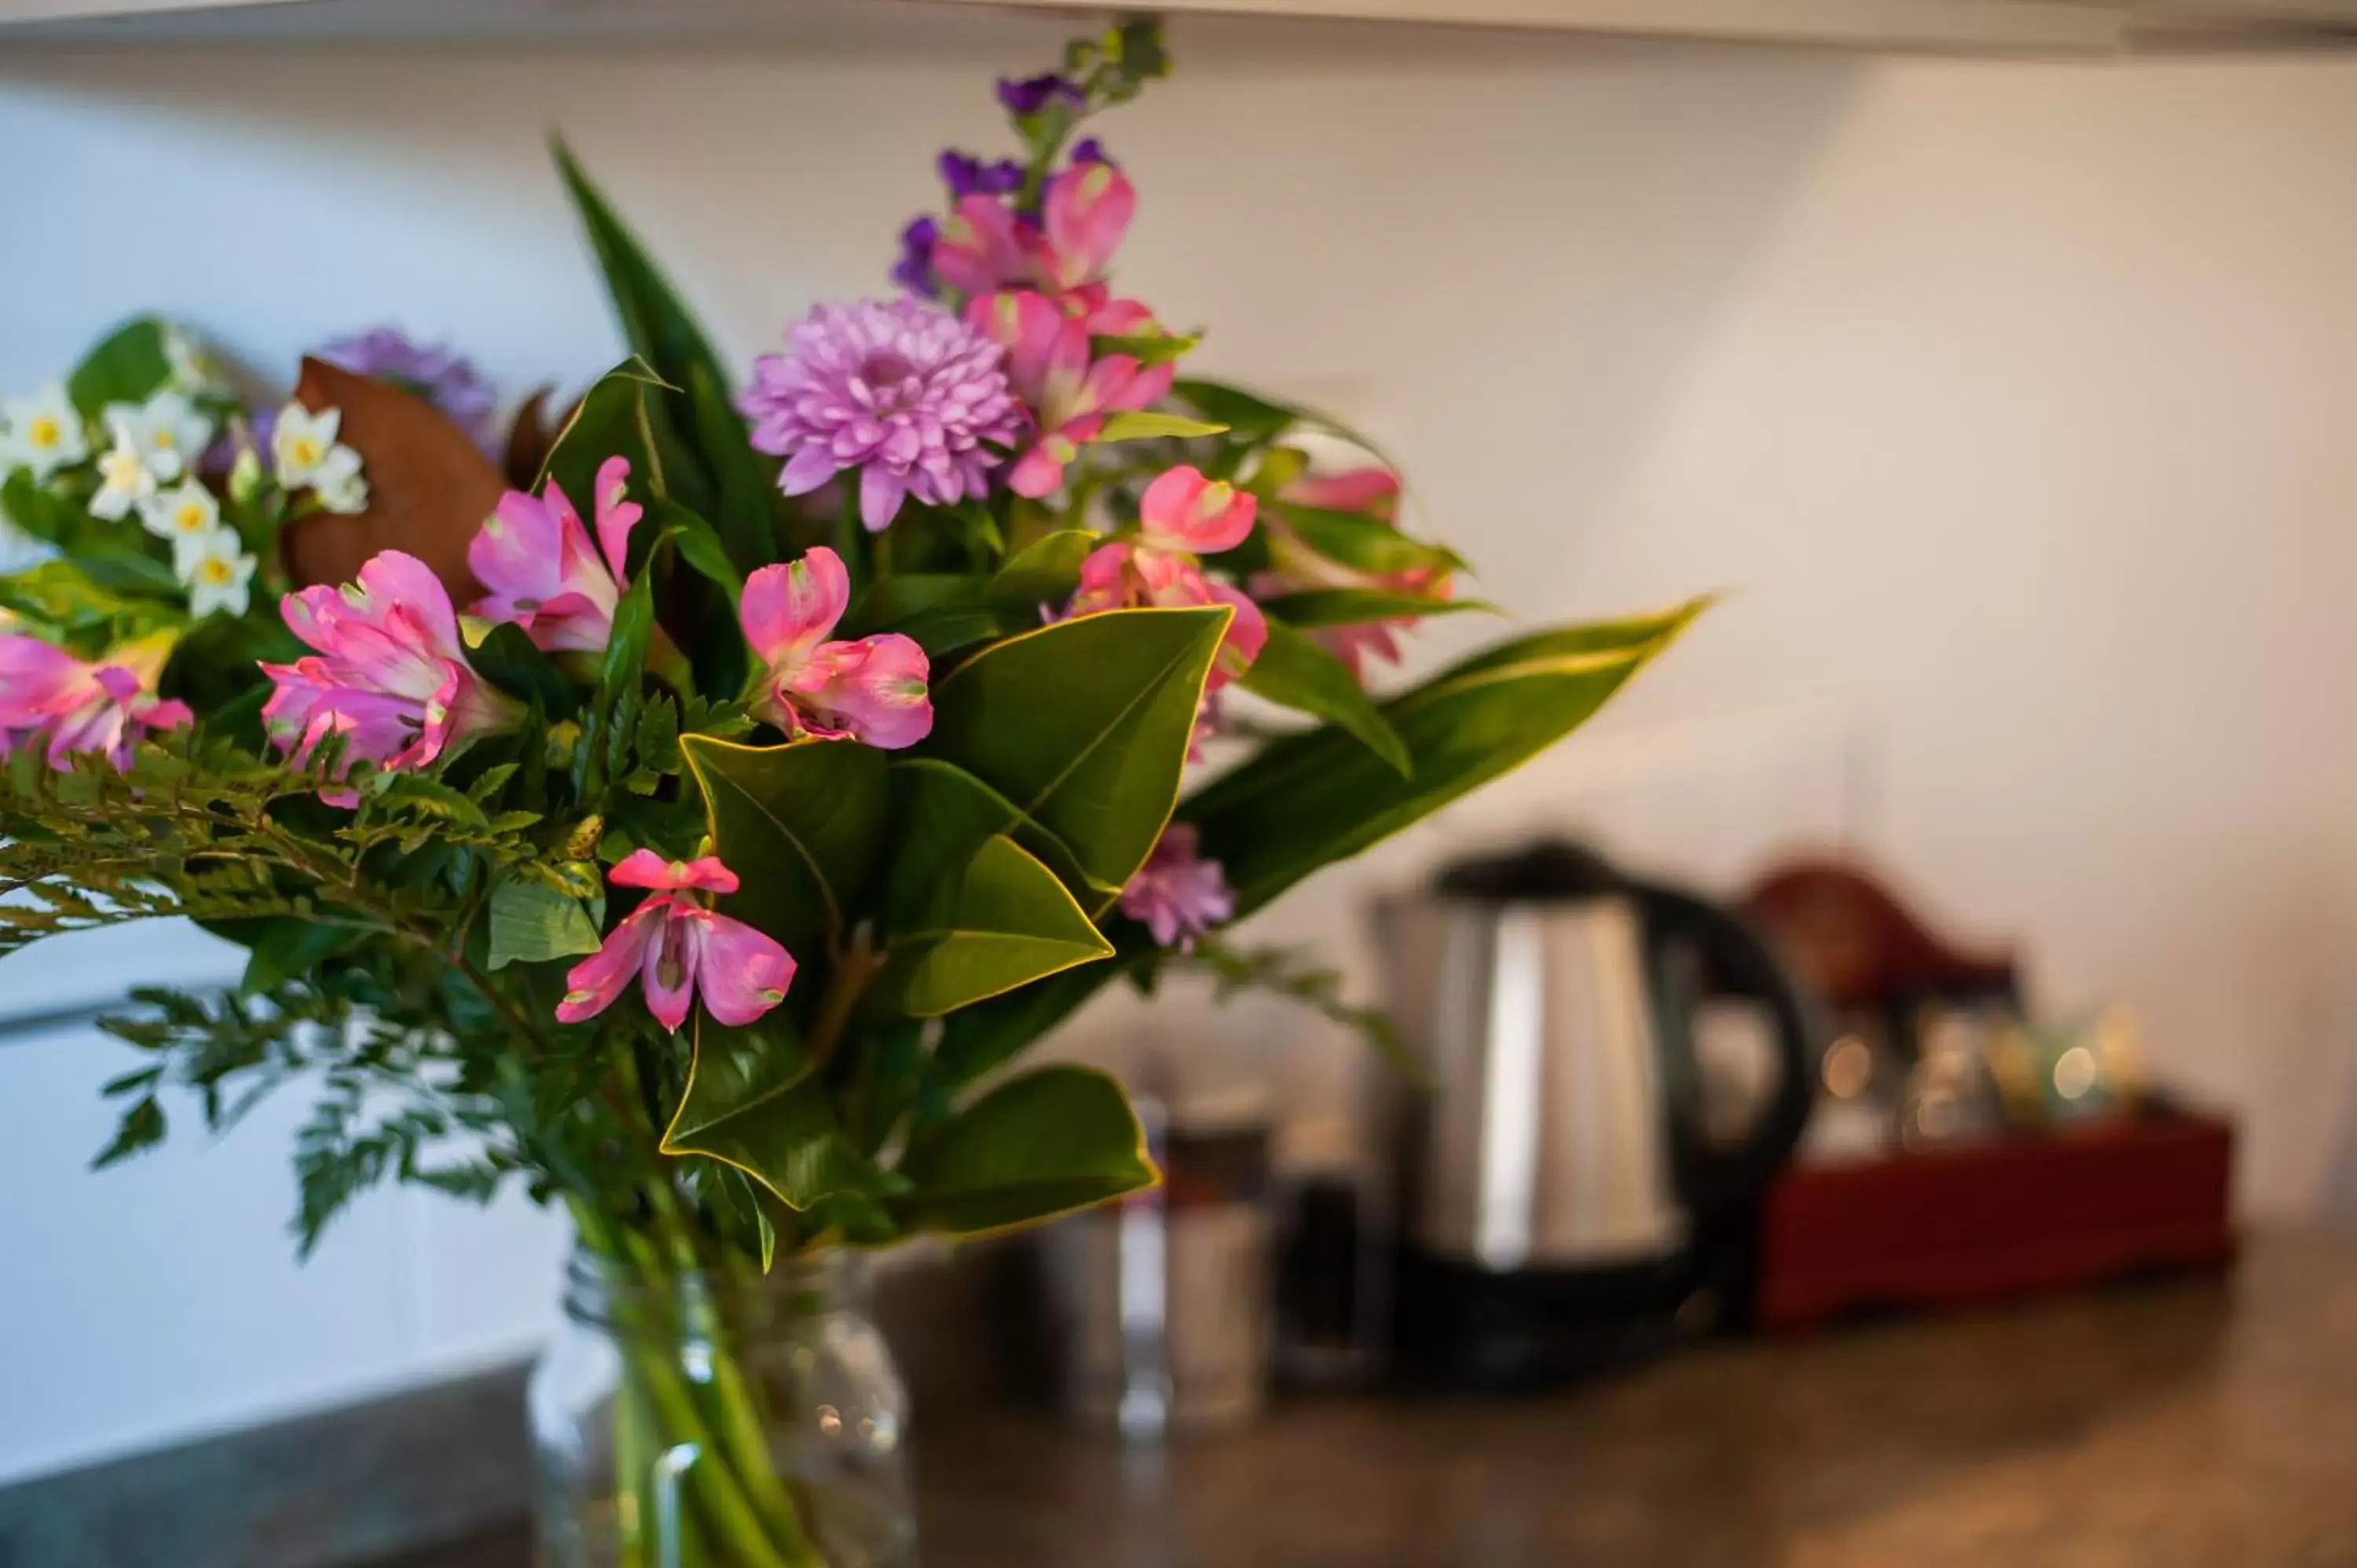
746,503
800,824
128,366
611,421
1151,424
699,546
943,815
1248,416
1293,672
532,922
626,649
1358,607
655,322
1048,1143
1045,572
278,949
1083,725
1364,543
1308,801
49,517
751,1103
1001,921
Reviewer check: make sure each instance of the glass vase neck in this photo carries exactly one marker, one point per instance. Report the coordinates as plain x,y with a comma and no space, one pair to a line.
627,1298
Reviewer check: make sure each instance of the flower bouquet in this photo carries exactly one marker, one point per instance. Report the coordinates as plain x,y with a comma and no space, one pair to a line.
691,811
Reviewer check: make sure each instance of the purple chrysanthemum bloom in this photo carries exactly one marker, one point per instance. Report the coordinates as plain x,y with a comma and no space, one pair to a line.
442,376
1032,93
904,392
914,270
1089,150
966,175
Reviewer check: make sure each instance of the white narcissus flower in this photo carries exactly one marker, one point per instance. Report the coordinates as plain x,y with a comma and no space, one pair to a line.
221,574
124,479
305,450
185,514
194,370
43,433
169,431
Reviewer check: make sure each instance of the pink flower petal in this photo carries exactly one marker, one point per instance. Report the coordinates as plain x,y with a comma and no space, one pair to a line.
787,610
592,985
667,964
881,490
1183,511
741,973
1086,210
1372,490
873,690
617,515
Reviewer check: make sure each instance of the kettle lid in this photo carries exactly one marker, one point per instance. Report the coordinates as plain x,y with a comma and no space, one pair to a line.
1549,871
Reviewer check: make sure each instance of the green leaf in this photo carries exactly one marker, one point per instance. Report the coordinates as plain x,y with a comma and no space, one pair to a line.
1045,572
49,517
141,1128
532,923
1366,544
508,659
748,501
1308,801
751,1103
1003,921
1048,1143
655,323
1249,417
278,951
1152,425
699,545
612,420
800,824
129,366
1158,349
1357,606
1295,673
1085,724
626,649
943,815
61,595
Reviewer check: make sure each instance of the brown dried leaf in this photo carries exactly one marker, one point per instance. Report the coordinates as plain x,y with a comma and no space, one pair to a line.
430,487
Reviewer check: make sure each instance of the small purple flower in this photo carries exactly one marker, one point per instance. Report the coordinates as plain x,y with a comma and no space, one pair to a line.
1177,893
914,270
905,392
1089,150
441,376
1031,94
966,175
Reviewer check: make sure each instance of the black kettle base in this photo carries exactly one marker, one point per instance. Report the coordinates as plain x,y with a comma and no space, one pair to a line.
1461,1330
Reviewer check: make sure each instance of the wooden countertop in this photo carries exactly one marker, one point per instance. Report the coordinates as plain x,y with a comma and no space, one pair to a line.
2168,1425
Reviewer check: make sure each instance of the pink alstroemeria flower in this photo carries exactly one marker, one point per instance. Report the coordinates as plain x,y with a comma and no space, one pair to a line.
390,674
47,696
1124,576
535,558
677,945
1177,893
1069,396
1373,491
871,690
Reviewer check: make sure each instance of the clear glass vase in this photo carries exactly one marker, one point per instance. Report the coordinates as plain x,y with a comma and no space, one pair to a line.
681,1421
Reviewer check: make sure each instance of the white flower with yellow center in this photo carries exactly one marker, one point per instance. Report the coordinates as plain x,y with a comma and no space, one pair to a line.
169,431
220,576
42,433
194,370
301,442
185,514
125,480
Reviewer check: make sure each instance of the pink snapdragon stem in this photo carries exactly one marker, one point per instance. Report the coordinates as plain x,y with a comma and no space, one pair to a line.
679,947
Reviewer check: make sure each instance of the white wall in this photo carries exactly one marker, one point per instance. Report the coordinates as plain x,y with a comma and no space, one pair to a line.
2012,399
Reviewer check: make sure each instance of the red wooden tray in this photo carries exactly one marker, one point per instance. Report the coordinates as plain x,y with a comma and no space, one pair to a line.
2003,1218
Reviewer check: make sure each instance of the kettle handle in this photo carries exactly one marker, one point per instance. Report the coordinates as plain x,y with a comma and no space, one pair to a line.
1714,1179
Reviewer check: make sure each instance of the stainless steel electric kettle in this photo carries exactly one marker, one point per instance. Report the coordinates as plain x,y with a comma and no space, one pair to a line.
1558,1205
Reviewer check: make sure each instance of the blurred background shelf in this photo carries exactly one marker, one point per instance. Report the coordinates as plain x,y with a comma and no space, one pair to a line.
2060,28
